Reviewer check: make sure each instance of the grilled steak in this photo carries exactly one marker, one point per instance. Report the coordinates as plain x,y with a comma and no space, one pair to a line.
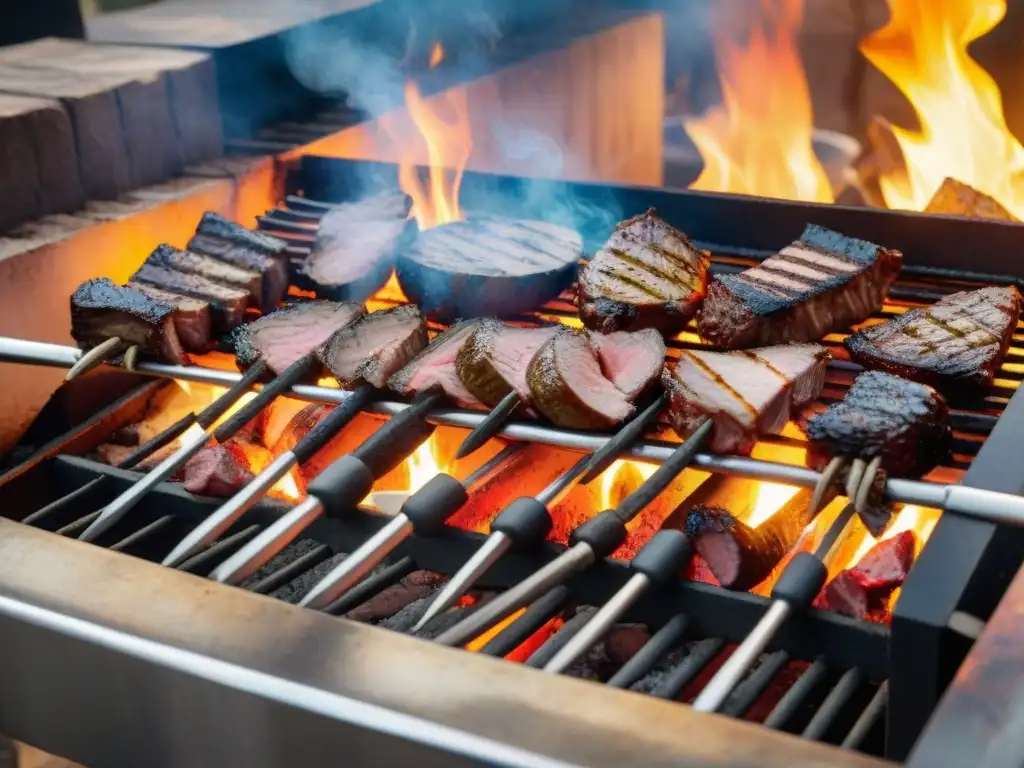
376,346
904,422
864,590
748,393
101,309
355,248
217,271
488,266
273,270
218,470
648,275
192,317
957,344
289,334
567,385
822,283
215,225
632,361
493,361
435,367
227,304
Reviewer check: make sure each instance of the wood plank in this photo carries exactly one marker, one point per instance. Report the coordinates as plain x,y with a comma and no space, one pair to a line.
38,165
190,78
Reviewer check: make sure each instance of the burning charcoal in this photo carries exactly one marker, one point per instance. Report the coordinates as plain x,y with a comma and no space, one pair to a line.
569,388
283,337
955,345
451,617
101,309
631,361
127,436
764,704
653,679
554,644
493,361
296,589
220,470
648,275
292,552
392,600
436,367
863,591
604,658
741,557
823,283
747,393
355,248
376,346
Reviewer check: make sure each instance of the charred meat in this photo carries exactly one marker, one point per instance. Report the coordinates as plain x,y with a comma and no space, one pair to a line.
569,388
648,275
741,557
748,393
102,309
355,248
285,336
376,346
864,590
957,344
493,360
822,283
904,422
190,263
193,318
227,304
215,225
435,367
488,266
631,361
273,270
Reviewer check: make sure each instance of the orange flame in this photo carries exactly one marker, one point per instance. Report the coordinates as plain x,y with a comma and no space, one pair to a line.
436,55
758,141
964,135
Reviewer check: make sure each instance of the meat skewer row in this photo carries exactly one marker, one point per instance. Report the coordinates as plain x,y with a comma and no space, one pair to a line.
361,356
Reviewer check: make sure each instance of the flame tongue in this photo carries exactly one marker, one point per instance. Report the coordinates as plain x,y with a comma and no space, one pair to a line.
964,136
758,142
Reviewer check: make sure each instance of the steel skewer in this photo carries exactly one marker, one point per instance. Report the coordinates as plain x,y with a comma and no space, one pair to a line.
795,590
629,434
598,537
658,562
120,506
491,425
222,519
352,480
423,513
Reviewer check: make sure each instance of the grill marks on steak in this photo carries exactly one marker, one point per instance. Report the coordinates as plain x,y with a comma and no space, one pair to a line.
956,344
285,336
193,318
648,275
494,359
904,422
376,346
747,393
355,248
822,283
227,303
435,367
568,387
101,309
631,361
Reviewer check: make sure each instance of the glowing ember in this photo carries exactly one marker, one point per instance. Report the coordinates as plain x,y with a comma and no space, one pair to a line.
963,136
436,55
758,141
771,497
911,518
423,465
621,479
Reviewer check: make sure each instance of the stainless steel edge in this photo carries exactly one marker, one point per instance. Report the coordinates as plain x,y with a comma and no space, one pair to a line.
113,661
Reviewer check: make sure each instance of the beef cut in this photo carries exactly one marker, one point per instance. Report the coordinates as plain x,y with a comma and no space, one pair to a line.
569,388
218,470
493,360
747,393
355,248
283,337
434,367
227,304
648,275
904,422
863,591
631,361
955,345
193,318
216,271
273,270
822,283
102,309
215,225
376,346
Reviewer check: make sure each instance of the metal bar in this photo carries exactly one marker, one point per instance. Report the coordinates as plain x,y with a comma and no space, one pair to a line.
202,562
644,660
872,712
797,694
533,618
833,704
700,655
292,570
746,693
557,641
371,587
